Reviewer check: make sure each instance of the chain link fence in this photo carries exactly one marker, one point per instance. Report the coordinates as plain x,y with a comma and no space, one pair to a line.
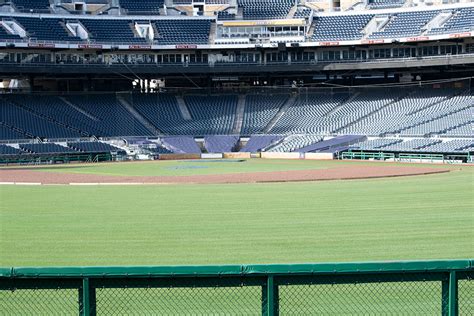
380,289
39,302
363,297
180,301
466,295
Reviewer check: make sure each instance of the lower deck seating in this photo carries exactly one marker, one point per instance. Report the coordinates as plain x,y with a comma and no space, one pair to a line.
417,114
295,142
108,115
93,147
22,121
333,144
259,111
428,145
7,133
456,145
46,148
9,150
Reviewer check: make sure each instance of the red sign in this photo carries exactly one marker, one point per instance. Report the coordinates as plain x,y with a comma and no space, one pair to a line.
329,43
376,41
39,45
465,34
90,46
139,46
418,39
186,46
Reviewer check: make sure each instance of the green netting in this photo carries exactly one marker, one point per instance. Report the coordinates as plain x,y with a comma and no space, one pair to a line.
180,301
386,298
39,302
466,297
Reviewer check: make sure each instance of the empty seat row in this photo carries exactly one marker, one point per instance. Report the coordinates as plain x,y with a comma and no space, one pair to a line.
142,6
93,147
431,145
340,28
37,6
120,31
405,24
265,9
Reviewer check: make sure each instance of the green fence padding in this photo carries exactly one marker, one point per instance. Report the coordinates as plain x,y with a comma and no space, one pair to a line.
127,271
145,271
6,272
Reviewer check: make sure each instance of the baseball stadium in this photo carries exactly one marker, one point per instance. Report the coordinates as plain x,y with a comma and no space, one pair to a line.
236,157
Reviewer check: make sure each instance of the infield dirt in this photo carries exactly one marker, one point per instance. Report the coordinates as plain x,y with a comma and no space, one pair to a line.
30,175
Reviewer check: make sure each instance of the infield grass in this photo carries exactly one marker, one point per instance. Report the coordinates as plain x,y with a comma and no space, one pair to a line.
422,217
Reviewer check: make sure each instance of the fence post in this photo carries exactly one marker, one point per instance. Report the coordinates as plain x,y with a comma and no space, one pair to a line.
270,297
453,294
86,299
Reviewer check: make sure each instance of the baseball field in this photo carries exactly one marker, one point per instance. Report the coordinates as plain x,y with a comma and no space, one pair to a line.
391,217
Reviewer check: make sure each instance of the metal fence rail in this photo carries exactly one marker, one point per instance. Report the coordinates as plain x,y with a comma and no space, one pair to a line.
372,288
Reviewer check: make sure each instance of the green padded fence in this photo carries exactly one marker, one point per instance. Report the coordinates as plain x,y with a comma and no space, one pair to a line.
406,157
367,155
373,288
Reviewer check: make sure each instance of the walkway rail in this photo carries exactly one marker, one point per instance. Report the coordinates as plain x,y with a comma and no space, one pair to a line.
405,287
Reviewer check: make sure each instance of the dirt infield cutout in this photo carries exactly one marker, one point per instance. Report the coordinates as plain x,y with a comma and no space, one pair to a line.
30,176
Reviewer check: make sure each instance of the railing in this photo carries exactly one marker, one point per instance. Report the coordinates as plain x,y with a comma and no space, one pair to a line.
367,155
41,159
158,65
372,288
446,157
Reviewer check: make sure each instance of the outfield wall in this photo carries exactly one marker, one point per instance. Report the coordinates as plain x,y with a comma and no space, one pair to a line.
179,156
371,288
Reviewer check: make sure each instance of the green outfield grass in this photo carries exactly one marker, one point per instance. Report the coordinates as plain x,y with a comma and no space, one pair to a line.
422,217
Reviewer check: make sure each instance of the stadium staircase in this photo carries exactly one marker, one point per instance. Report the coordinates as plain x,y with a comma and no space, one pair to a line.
376,24
363,117
213,33
292,12
439,117
239,116
18,130
437,21
78,109
348,100
278,143
240,13
310,32
291,101
148,125
183,108
435,103
453,127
